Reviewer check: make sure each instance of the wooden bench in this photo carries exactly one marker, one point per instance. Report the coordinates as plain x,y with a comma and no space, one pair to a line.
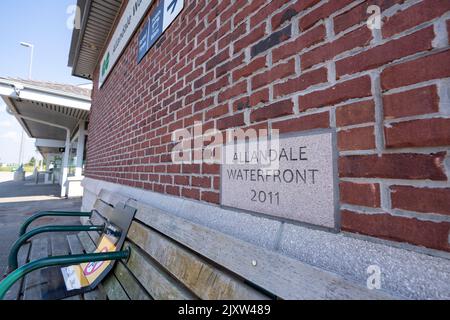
172,258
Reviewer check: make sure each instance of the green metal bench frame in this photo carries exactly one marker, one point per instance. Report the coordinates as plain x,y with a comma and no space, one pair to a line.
16,273
41,214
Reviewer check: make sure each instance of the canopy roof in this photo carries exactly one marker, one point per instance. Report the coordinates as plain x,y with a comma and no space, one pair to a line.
46,110
97,19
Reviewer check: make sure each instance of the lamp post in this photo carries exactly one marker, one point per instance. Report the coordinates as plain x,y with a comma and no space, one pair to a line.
31,46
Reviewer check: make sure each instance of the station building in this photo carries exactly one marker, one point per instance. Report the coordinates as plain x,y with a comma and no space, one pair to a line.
363,86
56,115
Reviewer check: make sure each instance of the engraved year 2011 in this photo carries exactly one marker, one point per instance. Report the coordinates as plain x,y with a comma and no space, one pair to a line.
266,197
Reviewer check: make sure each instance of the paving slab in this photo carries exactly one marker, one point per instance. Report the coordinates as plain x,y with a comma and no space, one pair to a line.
19,200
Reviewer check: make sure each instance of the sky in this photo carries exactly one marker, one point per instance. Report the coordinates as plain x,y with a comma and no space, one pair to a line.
42,23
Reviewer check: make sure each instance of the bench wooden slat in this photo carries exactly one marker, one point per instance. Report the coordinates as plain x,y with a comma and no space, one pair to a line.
59,245
14,292
155,281
283,276
86,242
97,294
113,289
75,298
33,281
132,287
103,209
201,277
74,244
112,198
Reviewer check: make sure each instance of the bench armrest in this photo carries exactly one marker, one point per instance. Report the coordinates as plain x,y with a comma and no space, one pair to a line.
23,228
9,281
12,259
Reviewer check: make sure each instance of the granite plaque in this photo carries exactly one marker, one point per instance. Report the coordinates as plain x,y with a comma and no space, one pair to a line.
300,183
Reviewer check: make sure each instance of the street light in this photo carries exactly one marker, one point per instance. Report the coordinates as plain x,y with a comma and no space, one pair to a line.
29,45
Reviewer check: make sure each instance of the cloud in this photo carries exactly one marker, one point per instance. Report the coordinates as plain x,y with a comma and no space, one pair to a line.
13,135
6,124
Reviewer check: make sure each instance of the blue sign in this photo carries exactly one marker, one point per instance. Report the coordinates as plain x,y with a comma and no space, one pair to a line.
143,42
161,18
156,25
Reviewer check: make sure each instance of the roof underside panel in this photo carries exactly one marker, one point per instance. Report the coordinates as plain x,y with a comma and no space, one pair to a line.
62,116
97,24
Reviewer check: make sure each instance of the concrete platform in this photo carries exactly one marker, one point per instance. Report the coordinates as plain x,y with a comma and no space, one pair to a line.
19,200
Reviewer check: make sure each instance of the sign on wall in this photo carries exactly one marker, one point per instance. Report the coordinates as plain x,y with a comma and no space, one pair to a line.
301,187
130,20
162,17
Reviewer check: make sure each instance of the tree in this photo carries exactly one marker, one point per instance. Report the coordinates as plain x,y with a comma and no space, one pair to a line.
32,162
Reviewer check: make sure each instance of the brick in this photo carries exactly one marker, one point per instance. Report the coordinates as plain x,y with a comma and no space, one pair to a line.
357,139
230,65
245,12
236,120
261,96
249,39
216,112
232,36
414,16
322,12
216,86
414,166
181,180
204,104
417,232
355,113
360,194
191,193
250,68
351,89
305,40
235,90
418,133
431,67
201,182
305,123
358,38
385,53
173,190
293,10
278,72
277,109
358,14
190,168
211,197
210,169
265,11
301,83
271,41
426,200
410,103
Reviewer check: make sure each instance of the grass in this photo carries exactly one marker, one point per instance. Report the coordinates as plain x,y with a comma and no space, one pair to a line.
12,169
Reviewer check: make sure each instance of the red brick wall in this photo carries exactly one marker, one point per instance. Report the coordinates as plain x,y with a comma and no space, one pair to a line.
294,66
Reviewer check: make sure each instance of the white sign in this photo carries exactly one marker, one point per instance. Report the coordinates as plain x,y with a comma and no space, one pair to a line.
172,9
130,20
301,187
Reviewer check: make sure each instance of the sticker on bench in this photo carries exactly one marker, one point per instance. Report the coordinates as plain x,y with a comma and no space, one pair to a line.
85,274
